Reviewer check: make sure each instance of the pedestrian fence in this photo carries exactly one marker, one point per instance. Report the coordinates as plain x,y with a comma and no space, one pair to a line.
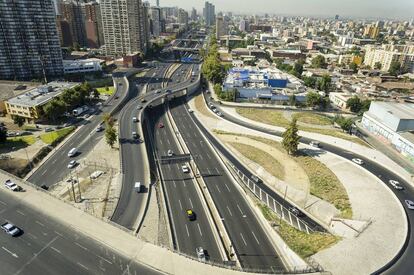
271,203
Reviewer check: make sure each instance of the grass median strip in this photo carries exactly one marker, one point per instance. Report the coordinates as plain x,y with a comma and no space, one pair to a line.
276,118
264,159
60,134
106,90
311,118
305,245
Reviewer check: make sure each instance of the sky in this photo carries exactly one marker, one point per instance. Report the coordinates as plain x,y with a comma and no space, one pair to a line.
393,9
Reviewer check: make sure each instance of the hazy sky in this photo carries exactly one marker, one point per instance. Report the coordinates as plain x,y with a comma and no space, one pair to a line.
399,9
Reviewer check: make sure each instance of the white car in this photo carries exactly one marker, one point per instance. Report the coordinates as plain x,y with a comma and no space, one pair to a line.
185,169
170,153
410,204
220,114
358,161
396,184
72,164
134,119
201,255
10,229
190,111
11,185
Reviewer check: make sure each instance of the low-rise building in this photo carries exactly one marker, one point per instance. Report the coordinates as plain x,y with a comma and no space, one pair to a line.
82,65
339,99
29,105
393,123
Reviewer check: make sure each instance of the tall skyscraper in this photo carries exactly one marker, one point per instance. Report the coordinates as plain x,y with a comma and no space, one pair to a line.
123,27
155,16
194,14
221,26
71,12
29,41
182,17
93,24
209,14
158,3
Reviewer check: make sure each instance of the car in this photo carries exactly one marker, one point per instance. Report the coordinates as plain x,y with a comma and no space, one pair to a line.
134,119
170,153
120,84
220,114
116,97
410,204
256,179
214,110
295,211
169,91
160,125
139,107
99,128
190,111
201,254
143,100
10,229
185,169
12,186
72,164
315,144
48,129
358,161
191,215
72,152
158,91
87,115
396,184
135,135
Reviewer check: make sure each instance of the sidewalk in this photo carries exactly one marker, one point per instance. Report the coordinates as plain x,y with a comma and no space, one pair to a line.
124,242
354,254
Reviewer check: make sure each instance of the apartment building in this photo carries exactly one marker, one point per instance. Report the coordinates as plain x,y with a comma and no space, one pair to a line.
93,24
29,41
123,27
385,55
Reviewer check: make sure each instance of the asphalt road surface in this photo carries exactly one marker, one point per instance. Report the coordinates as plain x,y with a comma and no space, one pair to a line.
48,247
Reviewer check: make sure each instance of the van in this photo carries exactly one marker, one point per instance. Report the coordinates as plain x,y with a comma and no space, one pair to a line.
72,152
314,143
138,187
134,119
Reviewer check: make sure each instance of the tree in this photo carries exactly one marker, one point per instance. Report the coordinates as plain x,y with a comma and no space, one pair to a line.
354,67
108,119
324,83
110,135
377,66
354,104
54,109
313,99
18,120
344,123
395,68
95,93
3,134
291,138
310,81
319,62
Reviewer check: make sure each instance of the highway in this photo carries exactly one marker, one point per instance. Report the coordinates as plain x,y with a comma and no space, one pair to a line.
181,192
403,263
250,241
54,169
48,247
130,203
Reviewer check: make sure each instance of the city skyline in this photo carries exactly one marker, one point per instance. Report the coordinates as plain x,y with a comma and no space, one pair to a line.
400,9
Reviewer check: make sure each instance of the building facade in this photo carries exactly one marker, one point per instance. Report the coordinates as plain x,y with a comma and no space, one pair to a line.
93,24
209,14
71,12
155,21
29,41
123,27
385,55
221,26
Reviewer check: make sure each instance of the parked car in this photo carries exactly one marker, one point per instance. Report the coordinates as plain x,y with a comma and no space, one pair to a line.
358,161
10,229
396,185
295,211
410,204
48,129
9,184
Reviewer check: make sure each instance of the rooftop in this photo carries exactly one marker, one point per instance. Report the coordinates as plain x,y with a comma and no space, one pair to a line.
42,94
400,110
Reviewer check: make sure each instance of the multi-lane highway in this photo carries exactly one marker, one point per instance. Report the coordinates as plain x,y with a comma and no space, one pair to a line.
250,241
54,169
181,191
48,247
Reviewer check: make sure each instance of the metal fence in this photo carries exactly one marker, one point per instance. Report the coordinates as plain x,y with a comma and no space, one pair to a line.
270,202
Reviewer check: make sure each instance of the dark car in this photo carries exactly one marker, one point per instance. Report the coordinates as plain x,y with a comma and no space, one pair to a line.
295,211
191,215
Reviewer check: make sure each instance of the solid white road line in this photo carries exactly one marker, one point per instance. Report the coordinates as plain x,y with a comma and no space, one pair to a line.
240,209
11,253
227,187
81,246
82,266
56,250
243,239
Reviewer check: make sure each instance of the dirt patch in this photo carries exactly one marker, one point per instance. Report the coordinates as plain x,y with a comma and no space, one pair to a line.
201,106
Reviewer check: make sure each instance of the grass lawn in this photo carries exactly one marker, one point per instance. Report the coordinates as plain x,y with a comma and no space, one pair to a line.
18,142
305,245
50,137
276,118
264,159
323,182
103,91
311,118
325,185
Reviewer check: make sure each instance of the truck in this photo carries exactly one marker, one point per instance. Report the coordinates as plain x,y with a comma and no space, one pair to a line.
10,229
80,110
138,187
